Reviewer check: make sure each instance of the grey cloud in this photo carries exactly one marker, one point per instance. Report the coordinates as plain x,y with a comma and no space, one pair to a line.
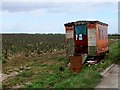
52,7
26,6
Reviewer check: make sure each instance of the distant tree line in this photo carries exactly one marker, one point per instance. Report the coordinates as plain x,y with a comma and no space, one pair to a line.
116,34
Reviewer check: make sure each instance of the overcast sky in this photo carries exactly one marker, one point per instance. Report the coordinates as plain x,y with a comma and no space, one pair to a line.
50,17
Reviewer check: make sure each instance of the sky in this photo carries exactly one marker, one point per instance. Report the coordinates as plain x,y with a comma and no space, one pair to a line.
50,17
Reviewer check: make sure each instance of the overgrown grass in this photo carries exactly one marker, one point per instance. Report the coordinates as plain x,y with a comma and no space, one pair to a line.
49,80
87,78
13,82
45,73
114,56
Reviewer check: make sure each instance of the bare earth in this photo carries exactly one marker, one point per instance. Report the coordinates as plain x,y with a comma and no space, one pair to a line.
110,79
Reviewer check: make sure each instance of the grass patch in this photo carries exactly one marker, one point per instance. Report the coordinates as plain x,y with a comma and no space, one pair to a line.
49,80
88,78
13,82
25,74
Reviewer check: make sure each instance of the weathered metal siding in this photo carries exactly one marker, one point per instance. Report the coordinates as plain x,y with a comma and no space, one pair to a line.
70,47
91,37
102,38
91,50
70,40
69,34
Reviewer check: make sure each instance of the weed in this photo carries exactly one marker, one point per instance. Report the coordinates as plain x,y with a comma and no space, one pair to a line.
4,61
25,74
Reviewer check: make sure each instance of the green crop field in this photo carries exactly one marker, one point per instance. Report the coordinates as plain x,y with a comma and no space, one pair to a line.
40,62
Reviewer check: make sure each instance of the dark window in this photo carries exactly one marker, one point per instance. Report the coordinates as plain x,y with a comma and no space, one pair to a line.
99,33
105,33
102,33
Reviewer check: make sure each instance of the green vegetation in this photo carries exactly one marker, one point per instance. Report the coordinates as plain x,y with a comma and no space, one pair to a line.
25,74
88,78
31,43
45,70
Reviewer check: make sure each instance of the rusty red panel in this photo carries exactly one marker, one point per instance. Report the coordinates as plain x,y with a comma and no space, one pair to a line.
91,25
76,63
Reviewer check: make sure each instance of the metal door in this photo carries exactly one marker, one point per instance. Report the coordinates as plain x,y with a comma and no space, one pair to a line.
81,39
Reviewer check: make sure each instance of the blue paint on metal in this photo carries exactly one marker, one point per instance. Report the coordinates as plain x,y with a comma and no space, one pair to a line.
80,29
